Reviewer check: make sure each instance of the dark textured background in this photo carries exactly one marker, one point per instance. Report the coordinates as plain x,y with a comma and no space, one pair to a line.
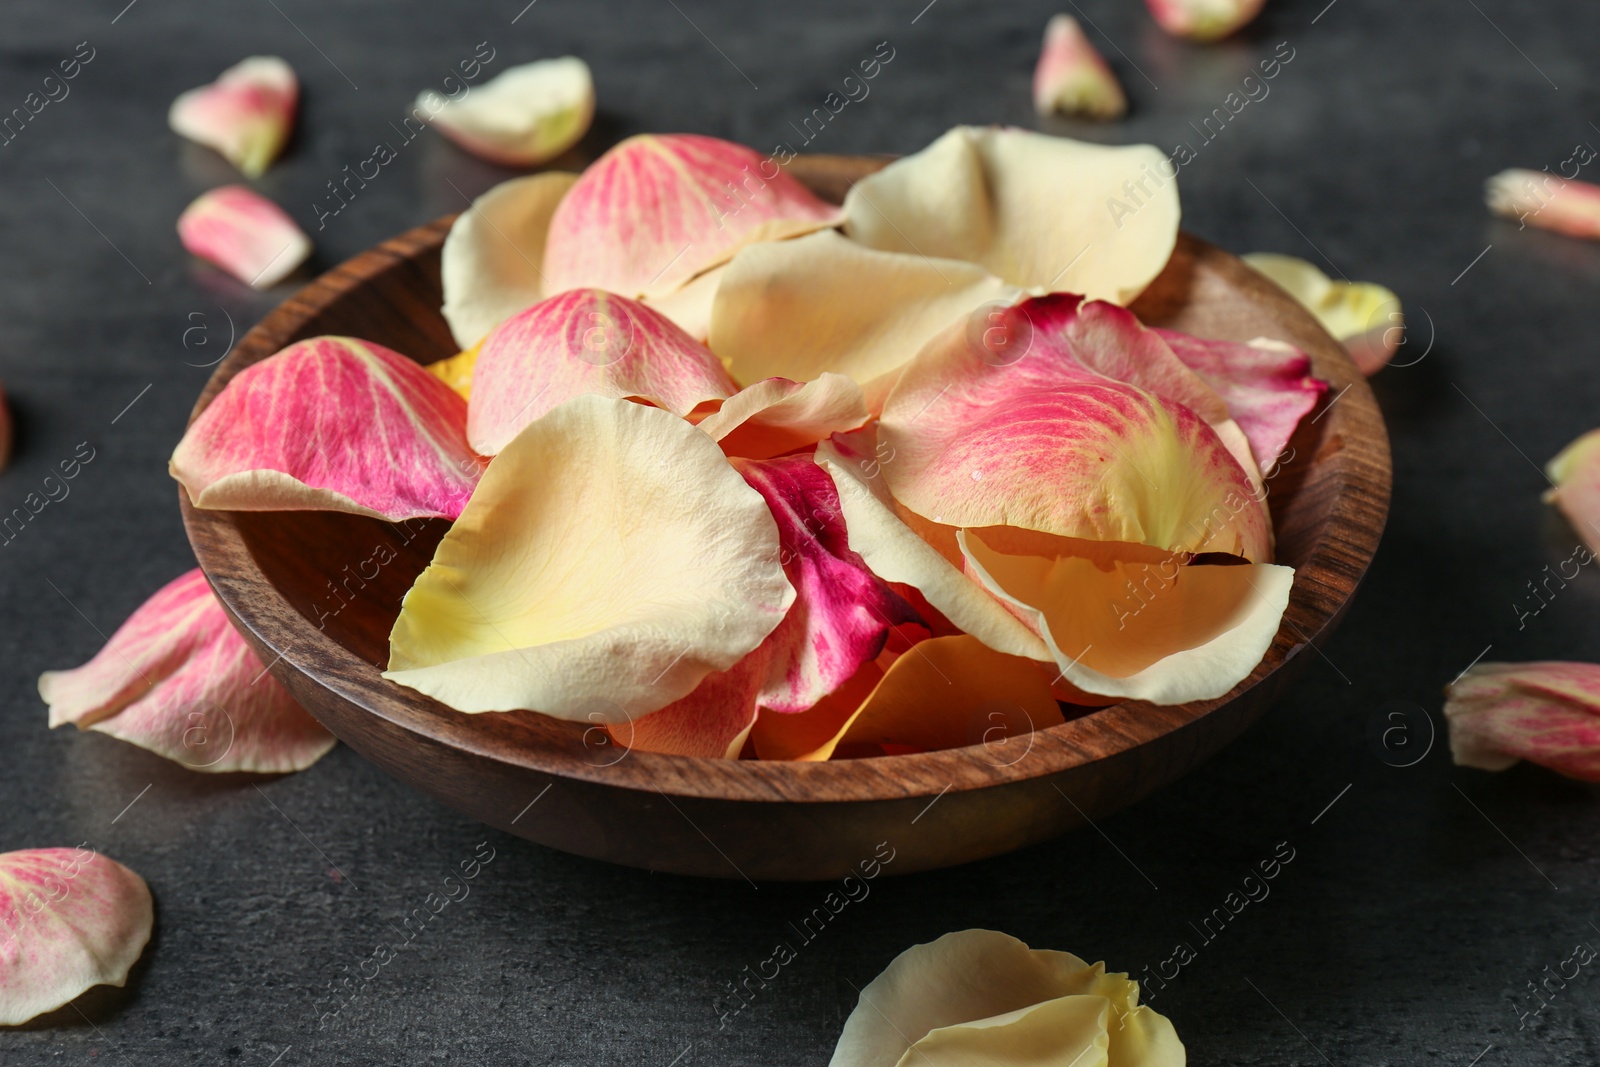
1417,907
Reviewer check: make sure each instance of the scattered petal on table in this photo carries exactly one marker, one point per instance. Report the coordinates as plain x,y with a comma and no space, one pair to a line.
246,114
1364,317
525,116
245,234
1072,78
1575,478
1546,713
1538,198
1204,20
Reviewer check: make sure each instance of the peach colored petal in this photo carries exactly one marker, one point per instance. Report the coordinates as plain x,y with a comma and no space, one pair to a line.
946,692
1364,317
794,309
610,554
586,341
1538,198
456,371
984,998
1575,486
710,723
524,116
332,424
246,114
178,680
1266,384
658,209
690,305
1071,78
70,919
1546,713
1204,20
777,415
1128,624
491,266
245,234
1036,211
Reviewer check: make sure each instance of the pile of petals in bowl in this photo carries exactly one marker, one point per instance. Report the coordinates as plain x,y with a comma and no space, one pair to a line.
734,471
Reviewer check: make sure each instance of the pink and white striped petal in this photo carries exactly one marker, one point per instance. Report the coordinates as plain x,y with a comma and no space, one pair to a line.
777,415
245,234
1539,198
524,116
1266,384
177,679
1575,486
580,342
1546,713
332,424
1072,78
1204,20
70,919
658,209
246,114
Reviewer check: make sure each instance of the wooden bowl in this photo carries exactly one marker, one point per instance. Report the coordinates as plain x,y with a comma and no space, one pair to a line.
564,785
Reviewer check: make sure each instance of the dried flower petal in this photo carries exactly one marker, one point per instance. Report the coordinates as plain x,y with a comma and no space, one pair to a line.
981,997
1538,198
245,234
777,415
1364,317
1204,20
586,341
710,723
331,424
1072,78
1575,486
657,210
70,919
246,114
1546,713
456,371
525,116
610,554
491,266
177,679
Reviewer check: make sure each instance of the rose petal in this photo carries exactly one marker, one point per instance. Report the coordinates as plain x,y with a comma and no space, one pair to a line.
178,680
689,306
246,114
842,612
1364,317
777,415
1575,478
1204,20
656,210
1129,624
946,692
1044,444
245,234
1541,199
987,981
456,371
525,116
794,309
610,553
1266,384
579,342
1033,210
1072,78
710,723
70,919
331,424
491,266
1546,713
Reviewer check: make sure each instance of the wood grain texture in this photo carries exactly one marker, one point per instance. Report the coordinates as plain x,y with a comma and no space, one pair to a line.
291,583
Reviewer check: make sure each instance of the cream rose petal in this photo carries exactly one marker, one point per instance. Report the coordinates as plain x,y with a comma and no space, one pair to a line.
1071,78
610,554
658,209
245,234
585,341
1541,199
794,309
491,266
178,680
331,424
1575,486
70,919
690,306
1546,713
524,116
1364,317
1034,210
990,984
246,114
778,415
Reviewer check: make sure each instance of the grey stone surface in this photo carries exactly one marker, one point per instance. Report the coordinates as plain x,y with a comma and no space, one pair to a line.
1417,907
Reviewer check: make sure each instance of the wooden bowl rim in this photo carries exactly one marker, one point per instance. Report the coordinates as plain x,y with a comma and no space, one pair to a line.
1315,603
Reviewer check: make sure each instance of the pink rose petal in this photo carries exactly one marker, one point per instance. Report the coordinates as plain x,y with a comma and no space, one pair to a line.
178,680
658,209
1546,713
1072,78
245,234
585,341
246,114
1575,486
1538,198
1204,20
70,919
712,722
332,424
777,415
